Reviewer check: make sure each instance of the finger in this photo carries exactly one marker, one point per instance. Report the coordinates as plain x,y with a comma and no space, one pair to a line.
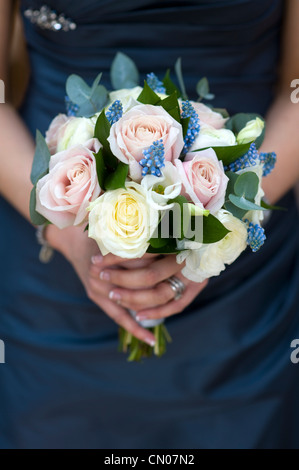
144,298
173,307
111,260
120,316
157,272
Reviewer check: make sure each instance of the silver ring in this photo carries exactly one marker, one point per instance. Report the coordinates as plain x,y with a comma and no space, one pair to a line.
177,286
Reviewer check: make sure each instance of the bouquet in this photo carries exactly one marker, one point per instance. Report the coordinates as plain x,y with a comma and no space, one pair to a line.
146,170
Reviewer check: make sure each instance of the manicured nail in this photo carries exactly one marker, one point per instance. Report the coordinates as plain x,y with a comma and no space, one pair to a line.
104,276
97,259
114,296
141,317
151,342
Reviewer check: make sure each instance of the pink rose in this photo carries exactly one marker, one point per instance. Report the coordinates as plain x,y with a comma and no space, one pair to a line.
64,194
56,131
138,129
203,178
209,117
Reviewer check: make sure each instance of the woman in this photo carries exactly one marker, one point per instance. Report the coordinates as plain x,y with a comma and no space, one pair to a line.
64,385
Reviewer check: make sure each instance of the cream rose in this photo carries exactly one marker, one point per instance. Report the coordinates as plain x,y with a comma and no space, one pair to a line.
56,131
204,180
75,132
138,129
64,194
209,137
251,131
205,261
122,222
208,116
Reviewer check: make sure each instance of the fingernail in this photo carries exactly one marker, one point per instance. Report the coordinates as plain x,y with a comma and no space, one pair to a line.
151,342
104,276
141,317
114,296
97,259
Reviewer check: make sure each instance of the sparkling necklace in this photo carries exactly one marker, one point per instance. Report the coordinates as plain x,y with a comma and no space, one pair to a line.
49,19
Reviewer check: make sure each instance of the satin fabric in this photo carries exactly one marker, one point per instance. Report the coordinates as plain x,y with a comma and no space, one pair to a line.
227,380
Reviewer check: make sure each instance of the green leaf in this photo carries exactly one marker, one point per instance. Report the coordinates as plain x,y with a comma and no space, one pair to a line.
158,242
102,132
244,204
171,105
179,74
124,73
237,122
77,89
185,125
213,230
170,86
36,218
247,185
148,96
203,89
41,159
101,168
230,153
267,206
99,98
169,249
117,179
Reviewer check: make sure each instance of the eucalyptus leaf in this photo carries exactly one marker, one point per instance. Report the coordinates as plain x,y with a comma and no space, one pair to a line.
247,185
117,179
99,98
96,83
236,211
77,89
179,74
41,159
124,73
244,204
36,218
224,113
231,183
203,88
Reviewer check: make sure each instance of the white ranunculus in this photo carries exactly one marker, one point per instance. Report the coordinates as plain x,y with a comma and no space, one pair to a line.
251,131
210,137
161,189
127,96
122,221
205,261
76,132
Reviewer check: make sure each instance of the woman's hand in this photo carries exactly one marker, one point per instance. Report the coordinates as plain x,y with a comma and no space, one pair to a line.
83,254
144,288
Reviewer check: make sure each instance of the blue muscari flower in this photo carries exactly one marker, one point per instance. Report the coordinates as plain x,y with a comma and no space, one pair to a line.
251,158
115,112
268,160
194,127
155,84
71,108
256,236
153,159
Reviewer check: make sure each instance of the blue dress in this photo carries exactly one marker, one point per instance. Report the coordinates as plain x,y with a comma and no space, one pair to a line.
227,380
